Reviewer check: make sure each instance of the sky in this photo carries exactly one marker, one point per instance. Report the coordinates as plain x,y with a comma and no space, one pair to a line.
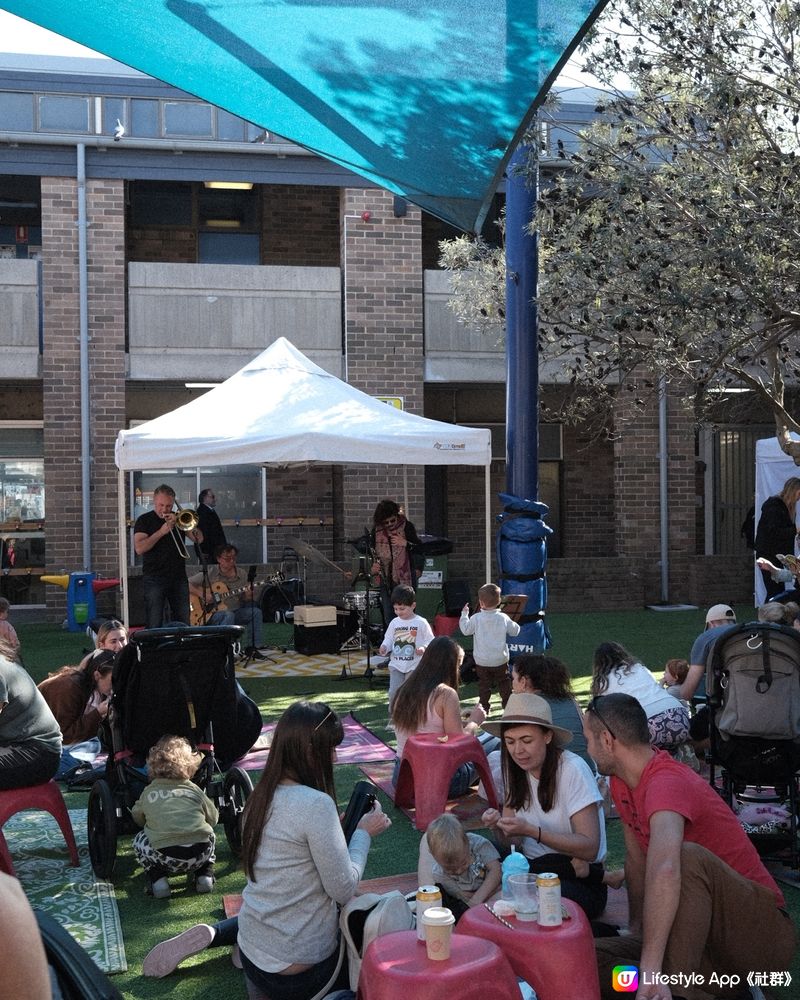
22,36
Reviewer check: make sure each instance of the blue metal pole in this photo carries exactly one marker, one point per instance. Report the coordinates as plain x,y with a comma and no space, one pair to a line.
522,352
521,539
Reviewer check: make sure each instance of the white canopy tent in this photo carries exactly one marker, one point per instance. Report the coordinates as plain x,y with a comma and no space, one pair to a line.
773,468
282,409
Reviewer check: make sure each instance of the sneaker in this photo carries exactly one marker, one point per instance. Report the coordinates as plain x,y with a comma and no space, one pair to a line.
204,883
168,955
161,889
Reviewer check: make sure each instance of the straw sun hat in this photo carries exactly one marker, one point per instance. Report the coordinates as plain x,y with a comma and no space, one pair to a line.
528,710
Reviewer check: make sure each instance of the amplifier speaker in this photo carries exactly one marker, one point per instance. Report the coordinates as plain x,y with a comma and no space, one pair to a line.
322,639
456,595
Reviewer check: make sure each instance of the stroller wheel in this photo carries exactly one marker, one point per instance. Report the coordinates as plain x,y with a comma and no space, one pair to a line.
101,822
235,790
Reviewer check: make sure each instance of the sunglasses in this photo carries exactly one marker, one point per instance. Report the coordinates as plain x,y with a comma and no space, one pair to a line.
593,708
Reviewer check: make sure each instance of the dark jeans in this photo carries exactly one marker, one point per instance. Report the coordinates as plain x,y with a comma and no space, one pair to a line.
589,893
301,985
25,764
157,591
462,779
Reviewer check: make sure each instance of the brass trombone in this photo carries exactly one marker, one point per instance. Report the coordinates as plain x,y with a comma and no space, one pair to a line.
186,520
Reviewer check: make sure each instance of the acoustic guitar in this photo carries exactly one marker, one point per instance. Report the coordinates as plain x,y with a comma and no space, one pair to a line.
199,612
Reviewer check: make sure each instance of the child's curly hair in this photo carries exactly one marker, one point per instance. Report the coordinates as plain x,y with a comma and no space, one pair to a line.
172,757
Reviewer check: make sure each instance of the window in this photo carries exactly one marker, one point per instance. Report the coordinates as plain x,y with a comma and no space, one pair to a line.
63,114
16,112
22,512
183,118
160,203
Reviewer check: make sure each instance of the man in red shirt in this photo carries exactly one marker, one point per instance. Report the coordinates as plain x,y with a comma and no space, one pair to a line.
702,905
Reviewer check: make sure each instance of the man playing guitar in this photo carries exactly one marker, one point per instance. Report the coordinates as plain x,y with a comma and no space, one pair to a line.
227,608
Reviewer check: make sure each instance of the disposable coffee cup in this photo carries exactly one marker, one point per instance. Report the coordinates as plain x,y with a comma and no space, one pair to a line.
438,923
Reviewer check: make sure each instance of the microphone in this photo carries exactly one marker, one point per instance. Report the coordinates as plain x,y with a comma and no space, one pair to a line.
251,574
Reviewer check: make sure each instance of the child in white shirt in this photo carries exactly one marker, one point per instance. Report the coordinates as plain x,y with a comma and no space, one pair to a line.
490,627
406,638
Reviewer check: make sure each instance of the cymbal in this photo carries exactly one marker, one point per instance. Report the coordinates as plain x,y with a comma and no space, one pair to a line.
309,552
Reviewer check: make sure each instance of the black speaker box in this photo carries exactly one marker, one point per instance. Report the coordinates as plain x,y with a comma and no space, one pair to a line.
322,639
456,595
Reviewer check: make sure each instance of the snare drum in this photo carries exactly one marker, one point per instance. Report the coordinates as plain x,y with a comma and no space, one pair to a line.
356,600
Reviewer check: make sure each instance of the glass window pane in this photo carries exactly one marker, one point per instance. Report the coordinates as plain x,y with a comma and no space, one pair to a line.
229,127
187,119
114,109
160,203
22,501
144,119
16,111
63,114
229,248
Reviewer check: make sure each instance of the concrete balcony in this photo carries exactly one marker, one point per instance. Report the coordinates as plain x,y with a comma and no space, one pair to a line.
19,319
454,352
202,322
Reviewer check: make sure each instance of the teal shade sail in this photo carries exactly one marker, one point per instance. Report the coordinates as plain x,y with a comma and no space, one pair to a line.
425,99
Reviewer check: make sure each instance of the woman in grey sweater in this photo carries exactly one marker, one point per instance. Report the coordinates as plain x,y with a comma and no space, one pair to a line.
299,868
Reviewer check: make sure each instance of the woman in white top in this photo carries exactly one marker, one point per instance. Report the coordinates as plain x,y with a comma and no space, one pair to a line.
552,808
615,671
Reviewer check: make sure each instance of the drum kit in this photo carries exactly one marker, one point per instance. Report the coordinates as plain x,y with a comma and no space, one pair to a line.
360,601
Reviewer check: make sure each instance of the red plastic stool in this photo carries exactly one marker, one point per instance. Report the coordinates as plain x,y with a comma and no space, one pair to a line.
427,768
46,797
396,967
542,956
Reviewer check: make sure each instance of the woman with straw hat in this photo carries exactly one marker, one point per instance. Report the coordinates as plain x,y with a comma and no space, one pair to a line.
552,808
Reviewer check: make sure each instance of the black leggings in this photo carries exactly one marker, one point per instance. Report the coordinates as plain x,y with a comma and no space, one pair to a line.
25,764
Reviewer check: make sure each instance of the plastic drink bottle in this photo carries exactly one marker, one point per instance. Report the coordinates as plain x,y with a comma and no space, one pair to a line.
513,864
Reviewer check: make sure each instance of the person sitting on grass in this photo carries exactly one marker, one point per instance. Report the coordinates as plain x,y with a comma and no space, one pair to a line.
299,868
79,698
178,820
465,866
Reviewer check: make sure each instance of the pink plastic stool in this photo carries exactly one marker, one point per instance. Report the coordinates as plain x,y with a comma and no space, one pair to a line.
396,967
46,797
542,956
427,768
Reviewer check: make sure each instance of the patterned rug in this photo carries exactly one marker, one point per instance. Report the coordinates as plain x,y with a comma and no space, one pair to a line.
288,663
83,906
359,745
468,808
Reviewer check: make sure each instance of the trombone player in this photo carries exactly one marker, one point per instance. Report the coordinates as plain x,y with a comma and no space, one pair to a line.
158,537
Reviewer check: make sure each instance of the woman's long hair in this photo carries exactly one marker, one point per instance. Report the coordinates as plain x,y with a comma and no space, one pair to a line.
607,657
789,493
546,674
518,788
302,750
439,664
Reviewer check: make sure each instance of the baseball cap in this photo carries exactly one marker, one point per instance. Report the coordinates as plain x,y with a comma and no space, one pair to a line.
720,612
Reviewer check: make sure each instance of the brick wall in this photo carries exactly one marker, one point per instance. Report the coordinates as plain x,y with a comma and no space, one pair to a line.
61,371
384,336
636,483
156,244
300,225
595,584
587,509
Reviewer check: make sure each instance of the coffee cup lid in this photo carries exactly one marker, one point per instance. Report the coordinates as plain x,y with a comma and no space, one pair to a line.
438,915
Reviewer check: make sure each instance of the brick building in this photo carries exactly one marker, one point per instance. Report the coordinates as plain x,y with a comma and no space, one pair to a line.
133,270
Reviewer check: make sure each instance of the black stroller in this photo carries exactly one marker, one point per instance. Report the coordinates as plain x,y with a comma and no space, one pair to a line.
753,686
173,681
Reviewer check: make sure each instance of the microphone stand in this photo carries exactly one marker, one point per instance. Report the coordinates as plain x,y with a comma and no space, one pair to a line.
251,651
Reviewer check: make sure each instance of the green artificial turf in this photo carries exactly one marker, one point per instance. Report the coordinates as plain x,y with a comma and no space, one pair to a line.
652,636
